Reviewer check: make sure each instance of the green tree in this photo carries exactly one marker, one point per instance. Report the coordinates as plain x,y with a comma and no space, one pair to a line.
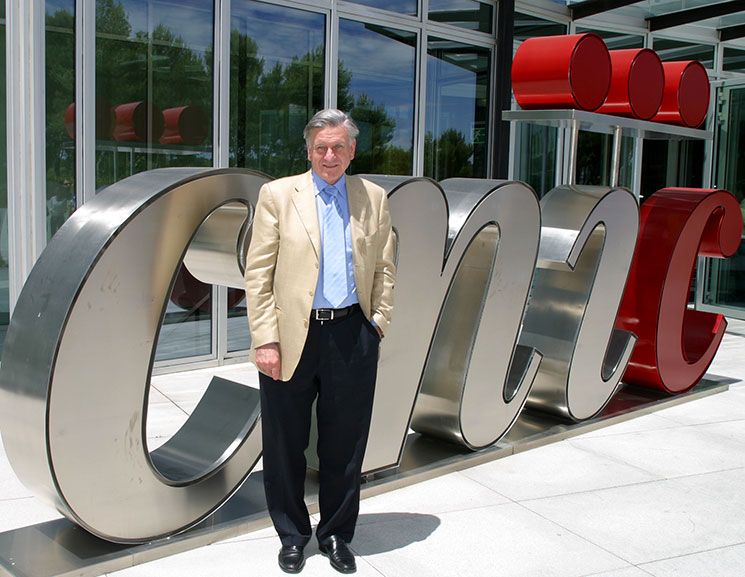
448,156
269,108
376,132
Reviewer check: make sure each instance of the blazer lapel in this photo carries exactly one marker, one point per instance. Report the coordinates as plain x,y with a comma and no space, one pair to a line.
304,199
357,201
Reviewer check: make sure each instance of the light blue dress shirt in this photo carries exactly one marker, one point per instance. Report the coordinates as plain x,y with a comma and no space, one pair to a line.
319,301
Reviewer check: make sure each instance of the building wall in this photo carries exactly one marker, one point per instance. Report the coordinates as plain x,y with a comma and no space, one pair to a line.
98,90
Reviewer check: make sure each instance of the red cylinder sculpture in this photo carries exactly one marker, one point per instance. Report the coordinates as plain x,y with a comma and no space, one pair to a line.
675,344
69,118
637,84
137,121
104,119
191,294
571,71
184,125
686,98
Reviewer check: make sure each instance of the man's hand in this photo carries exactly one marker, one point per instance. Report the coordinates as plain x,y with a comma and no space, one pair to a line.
268,361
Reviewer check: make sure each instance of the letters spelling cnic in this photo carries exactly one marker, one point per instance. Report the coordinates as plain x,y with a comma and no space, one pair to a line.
501,302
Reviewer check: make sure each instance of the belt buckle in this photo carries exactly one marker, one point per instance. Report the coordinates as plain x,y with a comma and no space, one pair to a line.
324,314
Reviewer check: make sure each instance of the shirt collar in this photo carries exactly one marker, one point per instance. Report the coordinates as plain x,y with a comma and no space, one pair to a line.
319,184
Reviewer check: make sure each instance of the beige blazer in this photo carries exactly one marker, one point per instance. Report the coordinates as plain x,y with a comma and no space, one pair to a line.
283,261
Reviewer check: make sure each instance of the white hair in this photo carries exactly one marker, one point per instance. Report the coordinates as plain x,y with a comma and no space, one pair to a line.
330,118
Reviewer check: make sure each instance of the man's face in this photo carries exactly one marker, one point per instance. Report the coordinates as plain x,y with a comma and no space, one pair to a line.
330,152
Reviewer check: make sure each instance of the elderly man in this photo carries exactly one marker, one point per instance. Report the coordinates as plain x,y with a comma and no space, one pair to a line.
319,286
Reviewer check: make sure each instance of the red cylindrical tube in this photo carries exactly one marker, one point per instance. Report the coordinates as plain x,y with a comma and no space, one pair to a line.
137,121
571,71
104,119
637,84
686,98
184,125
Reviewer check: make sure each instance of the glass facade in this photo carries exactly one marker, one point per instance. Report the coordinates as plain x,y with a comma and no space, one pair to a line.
470,14
399,6
154,100
276,84
535,153
379,94
278,80
594,153
733,60
724,283
457,110
59,78
528,26
669,50
616,40
417,77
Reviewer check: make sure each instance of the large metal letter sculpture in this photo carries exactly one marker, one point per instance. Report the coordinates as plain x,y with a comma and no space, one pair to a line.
676,344
587,241
467,274
76,365
74,381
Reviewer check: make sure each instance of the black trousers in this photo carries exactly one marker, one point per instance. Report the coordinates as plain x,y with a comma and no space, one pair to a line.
337,369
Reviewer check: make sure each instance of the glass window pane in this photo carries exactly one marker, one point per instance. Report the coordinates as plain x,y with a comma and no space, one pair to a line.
469,14
671,163
594,158
379,94
154,97
734,60
400,6
4,277
616,40
725,284
60,112
526,26
669,50
276,85
536,157
456,138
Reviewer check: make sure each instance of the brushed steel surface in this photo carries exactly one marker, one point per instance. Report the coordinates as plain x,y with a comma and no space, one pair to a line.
587,243
62,549
74,432
466,252
217,253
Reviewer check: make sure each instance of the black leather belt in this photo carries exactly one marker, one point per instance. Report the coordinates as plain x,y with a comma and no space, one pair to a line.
332,314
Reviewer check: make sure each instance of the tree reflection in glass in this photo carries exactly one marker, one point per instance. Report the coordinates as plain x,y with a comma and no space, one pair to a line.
457,114
379,94
276,85
154,98
154,62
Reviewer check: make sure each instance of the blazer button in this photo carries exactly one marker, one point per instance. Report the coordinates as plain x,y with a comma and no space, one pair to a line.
316,265
305,323
310,293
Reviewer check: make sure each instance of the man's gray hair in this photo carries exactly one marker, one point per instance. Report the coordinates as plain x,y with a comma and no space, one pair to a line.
330,118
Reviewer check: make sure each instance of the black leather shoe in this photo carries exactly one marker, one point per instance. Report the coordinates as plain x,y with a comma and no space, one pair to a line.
291,558
339,555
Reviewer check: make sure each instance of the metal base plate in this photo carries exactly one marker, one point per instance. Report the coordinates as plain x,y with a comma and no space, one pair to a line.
62,549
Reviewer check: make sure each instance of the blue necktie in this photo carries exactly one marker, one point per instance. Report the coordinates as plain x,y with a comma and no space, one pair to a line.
334,250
